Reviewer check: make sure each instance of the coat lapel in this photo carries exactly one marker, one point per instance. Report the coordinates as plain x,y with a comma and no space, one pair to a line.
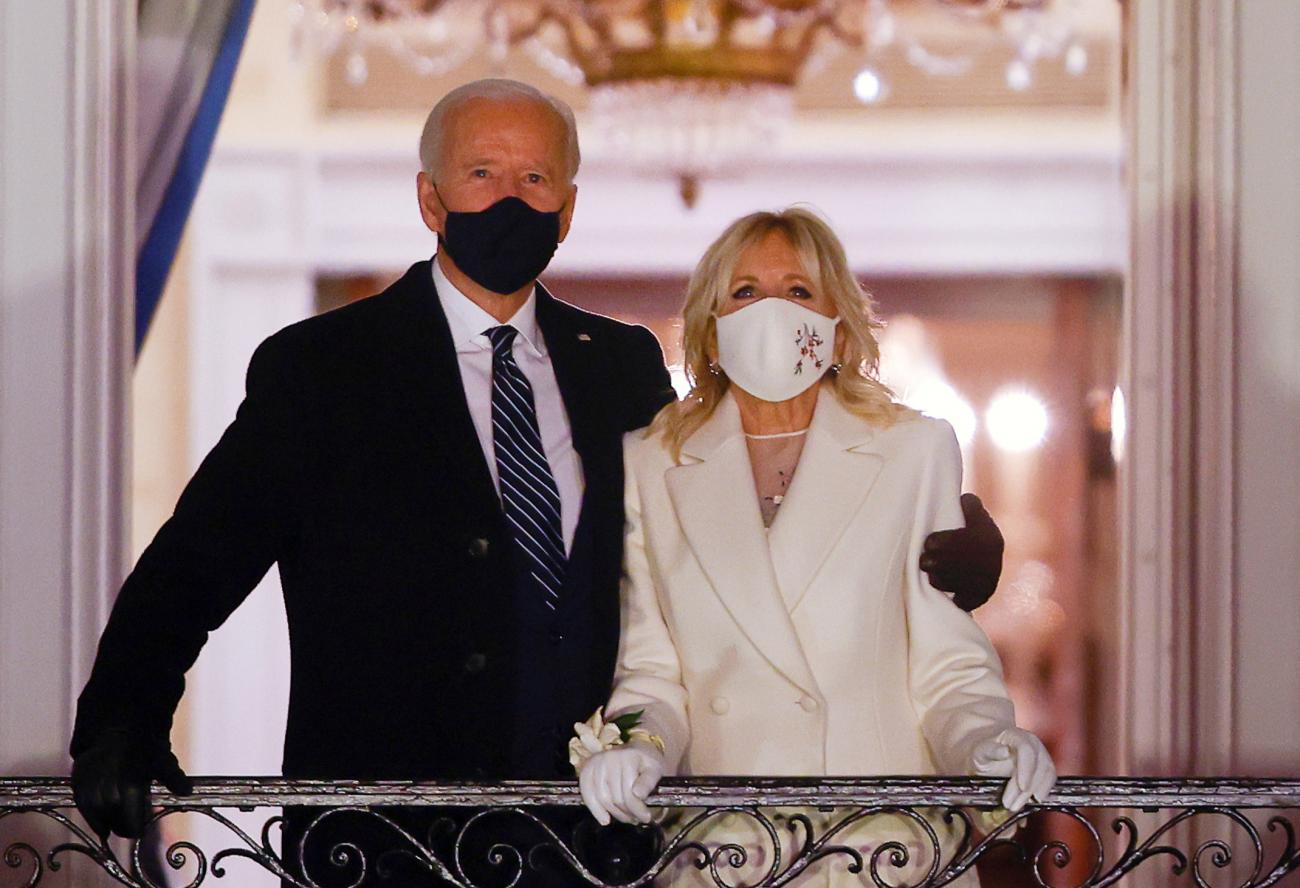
583,357
713,496
572,349
837,470
427,368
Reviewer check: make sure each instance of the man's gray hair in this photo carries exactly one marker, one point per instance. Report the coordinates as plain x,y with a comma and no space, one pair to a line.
501,90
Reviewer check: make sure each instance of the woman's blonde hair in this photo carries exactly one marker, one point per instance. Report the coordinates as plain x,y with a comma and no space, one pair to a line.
821,254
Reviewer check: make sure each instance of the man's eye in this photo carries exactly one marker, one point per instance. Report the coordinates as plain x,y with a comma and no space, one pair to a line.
479,173
534,178
746,292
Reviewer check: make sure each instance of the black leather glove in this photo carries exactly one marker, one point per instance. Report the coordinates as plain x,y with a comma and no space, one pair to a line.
111,781
967,561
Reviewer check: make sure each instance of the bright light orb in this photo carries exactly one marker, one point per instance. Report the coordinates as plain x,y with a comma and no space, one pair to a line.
1076,59
681,383
937,398
1019,77
357,69
1118,425
1016,420
868,87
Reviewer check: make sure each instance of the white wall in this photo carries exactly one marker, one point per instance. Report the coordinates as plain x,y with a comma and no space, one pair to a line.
1267,533
1211,683
65,316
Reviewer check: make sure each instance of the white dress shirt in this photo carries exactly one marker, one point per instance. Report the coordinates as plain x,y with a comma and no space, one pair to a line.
474,355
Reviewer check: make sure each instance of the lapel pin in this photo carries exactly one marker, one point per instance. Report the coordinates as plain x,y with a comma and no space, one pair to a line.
584,337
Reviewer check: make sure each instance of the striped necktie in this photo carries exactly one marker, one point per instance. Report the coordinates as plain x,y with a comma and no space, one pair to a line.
529,496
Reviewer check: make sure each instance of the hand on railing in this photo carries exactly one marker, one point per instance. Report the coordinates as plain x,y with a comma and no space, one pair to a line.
110,782
615,783
1208,833
1021,757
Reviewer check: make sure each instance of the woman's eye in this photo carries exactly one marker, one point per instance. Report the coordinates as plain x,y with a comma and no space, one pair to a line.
800,293
743,293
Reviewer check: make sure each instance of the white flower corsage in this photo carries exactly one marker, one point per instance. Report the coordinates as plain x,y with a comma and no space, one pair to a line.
597,735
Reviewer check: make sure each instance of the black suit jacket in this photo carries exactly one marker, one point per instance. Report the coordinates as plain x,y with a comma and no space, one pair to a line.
354,465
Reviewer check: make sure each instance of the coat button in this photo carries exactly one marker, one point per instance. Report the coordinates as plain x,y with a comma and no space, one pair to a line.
478,548
808,704
475,663
720,705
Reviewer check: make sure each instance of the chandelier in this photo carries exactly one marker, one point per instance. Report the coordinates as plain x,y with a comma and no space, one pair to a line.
691,88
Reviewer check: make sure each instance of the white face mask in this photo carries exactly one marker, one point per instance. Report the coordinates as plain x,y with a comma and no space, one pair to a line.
775,349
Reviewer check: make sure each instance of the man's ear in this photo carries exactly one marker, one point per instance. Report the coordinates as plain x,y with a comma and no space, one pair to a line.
566,212
432,211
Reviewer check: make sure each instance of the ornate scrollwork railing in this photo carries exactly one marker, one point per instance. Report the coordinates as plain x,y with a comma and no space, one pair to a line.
886,833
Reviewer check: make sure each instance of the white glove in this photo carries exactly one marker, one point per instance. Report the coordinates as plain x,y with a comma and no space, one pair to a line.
1021,757
617,782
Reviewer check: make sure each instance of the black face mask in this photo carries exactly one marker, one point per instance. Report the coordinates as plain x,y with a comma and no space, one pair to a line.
503,247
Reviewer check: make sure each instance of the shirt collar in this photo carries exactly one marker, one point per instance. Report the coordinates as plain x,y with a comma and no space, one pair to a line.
467,319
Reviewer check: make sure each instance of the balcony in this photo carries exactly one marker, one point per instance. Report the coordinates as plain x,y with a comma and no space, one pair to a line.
1093,831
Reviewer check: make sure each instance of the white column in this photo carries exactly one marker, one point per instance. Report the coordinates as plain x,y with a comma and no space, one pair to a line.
1165,288
1266,278
1212,481
66,285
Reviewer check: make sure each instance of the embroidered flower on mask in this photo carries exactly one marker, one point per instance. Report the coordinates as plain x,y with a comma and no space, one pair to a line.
808,340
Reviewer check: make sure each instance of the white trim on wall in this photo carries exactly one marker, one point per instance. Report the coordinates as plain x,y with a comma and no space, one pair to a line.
336,209
1214,362
1265,466
66,285
1180,380
66,291
102,330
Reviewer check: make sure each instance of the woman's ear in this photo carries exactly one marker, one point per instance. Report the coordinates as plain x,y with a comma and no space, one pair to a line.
711,342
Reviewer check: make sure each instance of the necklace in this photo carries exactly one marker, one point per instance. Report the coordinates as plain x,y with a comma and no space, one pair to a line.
794,434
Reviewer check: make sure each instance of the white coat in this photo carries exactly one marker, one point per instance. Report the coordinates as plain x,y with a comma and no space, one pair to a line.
817,647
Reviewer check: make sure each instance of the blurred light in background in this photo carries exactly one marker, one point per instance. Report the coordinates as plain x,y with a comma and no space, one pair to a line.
936,397
1118,425
1016,420
910,364
681,384
868,86
1076,59
1019,77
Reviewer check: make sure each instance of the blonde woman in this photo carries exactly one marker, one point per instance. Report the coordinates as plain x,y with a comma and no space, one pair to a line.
775,620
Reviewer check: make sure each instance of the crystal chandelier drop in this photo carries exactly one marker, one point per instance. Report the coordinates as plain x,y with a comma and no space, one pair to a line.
699,129
691,88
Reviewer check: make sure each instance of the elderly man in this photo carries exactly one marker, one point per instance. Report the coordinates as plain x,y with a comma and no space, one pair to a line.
437,471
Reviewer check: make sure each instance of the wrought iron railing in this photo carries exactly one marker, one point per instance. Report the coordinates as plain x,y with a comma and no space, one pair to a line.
729,832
